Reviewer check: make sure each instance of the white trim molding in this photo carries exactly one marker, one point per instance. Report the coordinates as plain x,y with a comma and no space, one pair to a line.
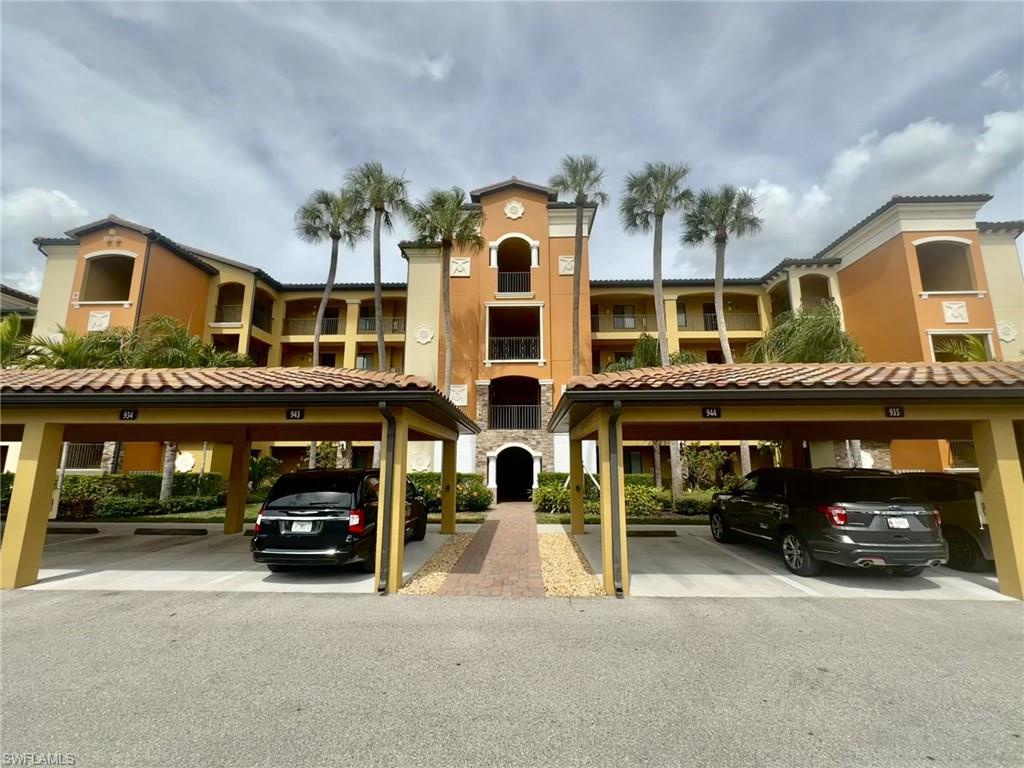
941,239
968,292
110,252
494,244
80,304
984,332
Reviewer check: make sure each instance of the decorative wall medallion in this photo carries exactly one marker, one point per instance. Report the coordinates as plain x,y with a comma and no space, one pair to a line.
424,334
112,238
566,265
419,461
459,394
514,209
184,462
1006,330
460,266
954,311
99,321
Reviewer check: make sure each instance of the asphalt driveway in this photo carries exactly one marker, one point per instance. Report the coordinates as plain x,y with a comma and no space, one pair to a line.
138,678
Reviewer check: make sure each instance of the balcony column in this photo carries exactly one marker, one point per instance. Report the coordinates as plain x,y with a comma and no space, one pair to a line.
351,329
795,295
833,292
672,325
449,483
276,332
763,315
248,299
536,469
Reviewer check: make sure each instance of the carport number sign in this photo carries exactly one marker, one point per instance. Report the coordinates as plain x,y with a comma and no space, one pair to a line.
894,412
295,414
128,414
710,412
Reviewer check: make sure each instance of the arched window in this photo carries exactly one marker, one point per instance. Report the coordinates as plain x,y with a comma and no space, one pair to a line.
945,266
514,260
108,278
813,290
230,298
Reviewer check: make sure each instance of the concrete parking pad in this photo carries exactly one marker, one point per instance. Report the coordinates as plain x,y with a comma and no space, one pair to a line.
692,564
117,559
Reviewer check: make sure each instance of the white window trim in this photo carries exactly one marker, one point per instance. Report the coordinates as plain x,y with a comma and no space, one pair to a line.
941,239
986,333
492,249
966,292
109,252
80,304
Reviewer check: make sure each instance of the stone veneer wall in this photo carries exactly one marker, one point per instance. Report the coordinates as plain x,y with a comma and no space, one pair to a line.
879,451
538,440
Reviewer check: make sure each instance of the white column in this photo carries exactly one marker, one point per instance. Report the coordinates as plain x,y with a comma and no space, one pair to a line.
534,255
833,290
492,475
536,469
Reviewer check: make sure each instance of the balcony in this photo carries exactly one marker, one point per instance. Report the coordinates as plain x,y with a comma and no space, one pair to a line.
262,318
514,417
228,313
303,326
961,454
85,456
514,348
514,282
391,324
734,321
602,323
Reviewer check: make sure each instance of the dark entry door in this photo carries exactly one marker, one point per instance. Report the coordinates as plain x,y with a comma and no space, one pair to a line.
514,472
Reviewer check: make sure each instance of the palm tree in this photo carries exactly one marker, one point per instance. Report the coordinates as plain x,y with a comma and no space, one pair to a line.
68,349
581,177
387,196
961,349
443,217
334,216
715,217
13,344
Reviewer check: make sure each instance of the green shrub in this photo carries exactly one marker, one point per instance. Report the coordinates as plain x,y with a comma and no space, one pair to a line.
471,494
641,478
6,483
552,478
551,499
664,497
695,503
136,506
642,501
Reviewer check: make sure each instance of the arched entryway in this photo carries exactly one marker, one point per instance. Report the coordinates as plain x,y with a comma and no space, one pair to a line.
514,474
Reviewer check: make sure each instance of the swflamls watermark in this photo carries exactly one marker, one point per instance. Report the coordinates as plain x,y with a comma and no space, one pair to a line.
38,758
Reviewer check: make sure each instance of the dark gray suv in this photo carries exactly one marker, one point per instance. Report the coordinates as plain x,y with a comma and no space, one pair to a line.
854,518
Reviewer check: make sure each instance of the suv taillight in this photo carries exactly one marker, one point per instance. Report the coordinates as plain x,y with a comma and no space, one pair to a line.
833,513
357,521
256,528
938,515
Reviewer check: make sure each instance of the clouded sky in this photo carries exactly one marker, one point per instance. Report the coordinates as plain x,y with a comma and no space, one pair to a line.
211,122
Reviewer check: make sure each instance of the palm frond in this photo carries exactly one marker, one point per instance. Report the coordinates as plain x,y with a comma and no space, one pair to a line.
377,190
811,335
654,191
444,217
717,215
961,349
331,215
581,177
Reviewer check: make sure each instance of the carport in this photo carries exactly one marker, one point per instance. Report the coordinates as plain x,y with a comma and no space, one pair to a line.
232,406
794,403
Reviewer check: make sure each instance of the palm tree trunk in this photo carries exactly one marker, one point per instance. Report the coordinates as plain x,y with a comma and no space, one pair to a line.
577,267
657,464
675,465
446,301
318,325
378,299
167,481
723,334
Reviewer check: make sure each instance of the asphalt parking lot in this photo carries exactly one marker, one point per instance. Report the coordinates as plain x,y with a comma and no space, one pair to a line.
136,678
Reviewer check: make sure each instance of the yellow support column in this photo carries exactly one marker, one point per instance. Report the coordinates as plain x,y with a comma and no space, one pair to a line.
613,503
576,481
393,473
238,487
672,325
25,533
449,481
351,329
1002,486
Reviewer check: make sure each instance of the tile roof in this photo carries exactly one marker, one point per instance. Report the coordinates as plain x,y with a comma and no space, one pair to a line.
475,194
237,380
14,292
754,377
1017,227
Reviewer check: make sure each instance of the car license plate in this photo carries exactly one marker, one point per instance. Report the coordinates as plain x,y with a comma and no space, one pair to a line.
898,522
302,527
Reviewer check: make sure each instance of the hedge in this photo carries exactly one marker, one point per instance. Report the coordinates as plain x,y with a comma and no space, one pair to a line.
81,493
471,494
695,503
135,506
641,500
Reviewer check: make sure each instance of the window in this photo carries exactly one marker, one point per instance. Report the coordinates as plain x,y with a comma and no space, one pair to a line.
623,317
633,461
715,356
681,316
364,362
945,267
328,359
108,278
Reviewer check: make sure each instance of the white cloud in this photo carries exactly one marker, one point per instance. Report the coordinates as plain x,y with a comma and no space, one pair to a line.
999,81
30,212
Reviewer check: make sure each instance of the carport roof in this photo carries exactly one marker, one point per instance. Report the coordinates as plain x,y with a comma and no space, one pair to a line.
812,382
240,386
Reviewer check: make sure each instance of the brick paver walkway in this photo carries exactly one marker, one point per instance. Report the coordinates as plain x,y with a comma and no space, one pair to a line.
503,560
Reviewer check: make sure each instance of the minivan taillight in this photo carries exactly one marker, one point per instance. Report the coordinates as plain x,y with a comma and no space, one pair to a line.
256,528
834,513
357,521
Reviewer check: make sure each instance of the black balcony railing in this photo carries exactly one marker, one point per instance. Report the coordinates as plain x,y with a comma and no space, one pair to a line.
514,348
391,324
513,282
228,313
262,318
514,417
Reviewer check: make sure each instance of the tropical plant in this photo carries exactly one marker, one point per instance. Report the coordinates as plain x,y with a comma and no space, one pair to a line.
647,196
714,217
809,335
445,218
386,196
262,469
581,177
69,349
334,216
960,349
13,344
165,342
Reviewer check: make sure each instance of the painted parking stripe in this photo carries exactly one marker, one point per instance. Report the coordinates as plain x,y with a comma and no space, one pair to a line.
785,579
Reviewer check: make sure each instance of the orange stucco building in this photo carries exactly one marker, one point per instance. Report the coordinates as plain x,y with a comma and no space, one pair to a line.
914,274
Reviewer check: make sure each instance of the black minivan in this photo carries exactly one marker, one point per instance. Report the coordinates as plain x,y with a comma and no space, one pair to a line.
849,517
327,517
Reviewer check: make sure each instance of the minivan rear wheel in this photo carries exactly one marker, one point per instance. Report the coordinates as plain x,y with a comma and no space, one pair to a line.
720,530
796,554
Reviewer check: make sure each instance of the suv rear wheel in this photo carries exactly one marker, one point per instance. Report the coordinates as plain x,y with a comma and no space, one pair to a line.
419,531
720,530
964,552
796,555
